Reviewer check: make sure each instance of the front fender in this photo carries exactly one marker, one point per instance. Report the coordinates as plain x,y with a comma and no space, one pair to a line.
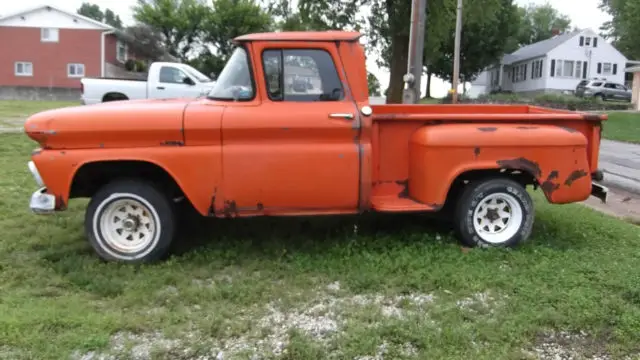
196,170
555,156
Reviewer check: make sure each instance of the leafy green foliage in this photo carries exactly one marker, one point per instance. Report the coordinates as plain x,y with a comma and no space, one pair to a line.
94,12
179,22
485,35
374,85
623,27
537,23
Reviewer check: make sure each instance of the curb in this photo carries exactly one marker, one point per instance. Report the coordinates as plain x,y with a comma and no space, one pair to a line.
620,182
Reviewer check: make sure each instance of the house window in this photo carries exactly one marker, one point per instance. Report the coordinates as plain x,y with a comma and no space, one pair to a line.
587,41
536,69
606,69
23,69
121,51
568,68
49,35
75,70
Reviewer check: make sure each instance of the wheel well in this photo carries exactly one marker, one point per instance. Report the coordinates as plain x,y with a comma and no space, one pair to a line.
522,177
114,96
92,176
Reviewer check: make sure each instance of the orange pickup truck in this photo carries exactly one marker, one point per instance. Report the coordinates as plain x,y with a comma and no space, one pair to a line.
288,130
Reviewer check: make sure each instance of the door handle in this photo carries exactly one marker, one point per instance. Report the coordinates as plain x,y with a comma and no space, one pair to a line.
341,116
160,88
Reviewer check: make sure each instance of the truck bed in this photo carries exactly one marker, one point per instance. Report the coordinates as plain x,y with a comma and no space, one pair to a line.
404,137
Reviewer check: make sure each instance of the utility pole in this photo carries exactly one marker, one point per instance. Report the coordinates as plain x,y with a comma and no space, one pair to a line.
411,93
456,55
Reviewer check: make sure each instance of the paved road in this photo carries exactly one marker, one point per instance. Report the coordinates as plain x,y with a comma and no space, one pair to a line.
621,165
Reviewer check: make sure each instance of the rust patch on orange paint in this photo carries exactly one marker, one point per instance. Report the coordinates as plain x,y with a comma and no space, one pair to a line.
488,129
230,209
578,174
521,164
405,188
476,151
526,127
549,186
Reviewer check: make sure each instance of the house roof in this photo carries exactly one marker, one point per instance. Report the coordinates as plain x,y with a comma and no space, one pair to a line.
331,35
538,49
71,14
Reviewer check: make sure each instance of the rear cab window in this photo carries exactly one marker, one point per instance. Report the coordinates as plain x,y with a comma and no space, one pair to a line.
301,75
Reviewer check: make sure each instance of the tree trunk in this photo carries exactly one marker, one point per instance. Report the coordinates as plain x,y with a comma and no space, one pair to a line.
427,90
398,68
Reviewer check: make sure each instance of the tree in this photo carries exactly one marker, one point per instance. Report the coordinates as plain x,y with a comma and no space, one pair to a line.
374,85
537,23
110,18
485,36
389,35
94,12
623,29
91,11
144,41
315,14
179,21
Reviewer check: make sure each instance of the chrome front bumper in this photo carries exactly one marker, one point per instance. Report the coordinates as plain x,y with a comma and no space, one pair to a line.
42,203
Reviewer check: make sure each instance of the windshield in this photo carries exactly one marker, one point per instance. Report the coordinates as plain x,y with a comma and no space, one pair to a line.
197,74
234,82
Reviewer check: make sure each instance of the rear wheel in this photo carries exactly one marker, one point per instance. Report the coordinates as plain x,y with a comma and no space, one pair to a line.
494,213
130,221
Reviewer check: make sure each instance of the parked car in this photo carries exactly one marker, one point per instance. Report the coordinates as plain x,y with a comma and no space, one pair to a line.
248,149
165,80
603,89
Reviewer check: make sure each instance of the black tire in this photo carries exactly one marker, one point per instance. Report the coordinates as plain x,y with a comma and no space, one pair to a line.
507,189
159,209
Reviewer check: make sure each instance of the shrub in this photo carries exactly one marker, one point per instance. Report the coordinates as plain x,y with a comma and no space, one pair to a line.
141,66
130,65
556,101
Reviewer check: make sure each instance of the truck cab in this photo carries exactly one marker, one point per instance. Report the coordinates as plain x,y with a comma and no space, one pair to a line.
288,130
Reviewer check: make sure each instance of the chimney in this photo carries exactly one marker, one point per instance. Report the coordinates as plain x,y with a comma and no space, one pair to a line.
555,31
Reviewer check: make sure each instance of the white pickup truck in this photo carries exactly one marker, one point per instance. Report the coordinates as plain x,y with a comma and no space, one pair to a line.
165,80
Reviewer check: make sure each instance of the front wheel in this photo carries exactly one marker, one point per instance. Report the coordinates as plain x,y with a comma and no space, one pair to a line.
494,213
130,221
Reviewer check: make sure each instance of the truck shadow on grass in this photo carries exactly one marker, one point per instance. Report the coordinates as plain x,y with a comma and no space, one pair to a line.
305,234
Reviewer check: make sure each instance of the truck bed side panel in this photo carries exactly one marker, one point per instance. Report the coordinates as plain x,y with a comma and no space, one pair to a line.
554,156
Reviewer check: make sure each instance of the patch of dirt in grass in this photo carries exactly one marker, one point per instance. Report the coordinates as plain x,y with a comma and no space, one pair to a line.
570,346
320,320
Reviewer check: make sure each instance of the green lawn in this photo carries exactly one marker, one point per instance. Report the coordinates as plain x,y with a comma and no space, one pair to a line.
320,288
19,109
623,127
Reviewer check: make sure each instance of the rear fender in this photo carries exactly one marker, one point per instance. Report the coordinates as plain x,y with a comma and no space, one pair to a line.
555,158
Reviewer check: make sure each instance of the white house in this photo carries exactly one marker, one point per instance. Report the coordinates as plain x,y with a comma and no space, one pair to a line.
557,64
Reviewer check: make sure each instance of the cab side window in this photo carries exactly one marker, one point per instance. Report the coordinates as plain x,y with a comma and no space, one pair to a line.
301,75
171,75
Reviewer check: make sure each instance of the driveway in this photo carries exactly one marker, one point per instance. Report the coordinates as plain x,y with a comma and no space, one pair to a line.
621,165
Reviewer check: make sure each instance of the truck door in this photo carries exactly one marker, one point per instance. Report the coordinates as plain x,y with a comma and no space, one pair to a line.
172,83
297,150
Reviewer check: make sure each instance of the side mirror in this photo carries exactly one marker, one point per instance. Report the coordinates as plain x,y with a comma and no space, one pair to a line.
188,81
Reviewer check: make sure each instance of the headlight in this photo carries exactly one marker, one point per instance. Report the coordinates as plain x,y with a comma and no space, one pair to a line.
35,173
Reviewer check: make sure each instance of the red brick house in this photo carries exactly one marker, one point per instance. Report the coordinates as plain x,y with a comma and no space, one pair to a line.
45,51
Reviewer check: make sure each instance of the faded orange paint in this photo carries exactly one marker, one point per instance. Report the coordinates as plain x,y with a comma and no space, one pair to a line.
262,157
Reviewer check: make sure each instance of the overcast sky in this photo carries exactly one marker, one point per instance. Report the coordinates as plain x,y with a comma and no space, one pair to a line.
583,14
